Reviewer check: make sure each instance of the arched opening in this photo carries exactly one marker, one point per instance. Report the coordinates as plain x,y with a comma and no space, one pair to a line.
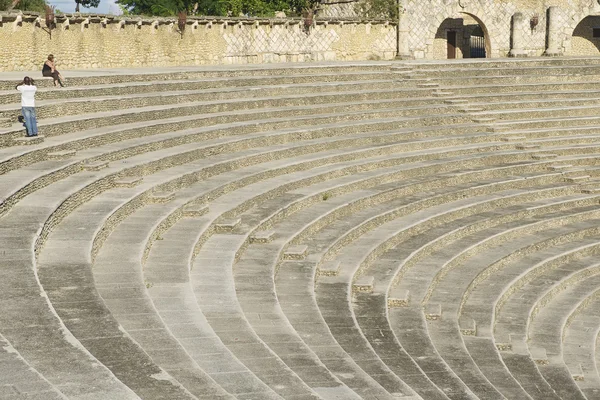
463,37
586,37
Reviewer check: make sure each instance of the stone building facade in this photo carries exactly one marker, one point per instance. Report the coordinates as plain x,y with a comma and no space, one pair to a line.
430,29
509,27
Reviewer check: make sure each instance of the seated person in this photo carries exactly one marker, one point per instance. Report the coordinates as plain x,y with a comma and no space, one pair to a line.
49,70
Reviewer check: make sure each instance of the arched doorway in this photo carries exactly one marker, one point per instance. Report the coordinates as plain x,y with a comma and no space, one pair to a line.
463,37
585,40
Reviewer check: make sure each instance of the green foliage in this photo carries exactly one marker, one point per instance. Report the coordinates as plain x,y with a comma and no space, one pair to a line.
256,8
377,9
32,5
4,4
86,3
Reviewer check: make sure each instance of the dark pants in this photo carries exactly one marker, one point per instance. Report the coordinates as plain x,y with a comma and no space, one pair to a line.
54,75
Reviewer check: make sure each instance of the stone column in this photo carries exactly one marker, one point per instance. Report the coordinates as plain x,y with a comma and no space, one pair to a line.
402,32
553,30
518,26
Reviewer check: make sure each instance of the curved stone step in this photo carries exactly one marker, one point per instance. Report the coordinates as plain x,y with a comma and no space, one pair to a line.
485,296
549,316
579,340
19,379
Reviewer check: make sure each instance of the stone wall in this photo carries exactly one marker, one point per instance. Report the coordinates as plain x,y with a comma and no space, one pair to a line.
81,42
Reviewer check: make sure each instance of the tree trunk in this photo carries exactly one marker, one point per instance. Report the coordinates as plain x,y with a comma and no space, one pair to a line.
76,6
13,4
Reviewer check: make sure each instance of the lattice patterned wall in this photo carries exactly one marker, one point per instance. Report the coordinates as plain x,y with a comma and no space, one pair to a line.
136,42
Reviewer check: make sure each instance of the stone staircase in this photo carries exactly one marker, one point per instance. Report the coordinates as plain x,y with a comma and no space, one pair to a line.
405,230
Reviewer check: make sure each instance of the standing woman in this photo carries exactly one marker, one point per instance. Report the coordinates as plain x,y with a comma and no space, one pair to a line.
28,89
50,70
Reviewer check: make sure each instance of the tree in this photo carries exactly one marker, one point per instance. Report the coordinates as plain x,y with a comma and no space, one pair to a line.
157,7
380,9
86,3
214,7
24,5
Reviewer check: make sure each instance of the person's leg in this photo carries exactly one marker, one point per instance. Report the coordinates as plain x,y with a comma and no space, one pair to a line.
57,77
26,111
50,74
34,129
30,120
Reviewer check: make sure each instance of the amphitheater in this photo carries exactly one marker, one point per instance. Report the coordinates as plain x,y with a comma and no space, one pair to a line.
362,230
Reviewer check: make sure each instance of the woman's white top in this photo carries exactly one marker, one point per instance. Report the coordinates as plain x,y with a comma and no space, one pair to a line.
27,95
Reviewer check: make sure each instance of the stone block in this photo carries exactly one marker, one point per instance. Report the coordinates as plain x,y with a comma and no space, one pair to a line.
577,179
60,155
512,138
161,197
527,146
560,167
538,354
470,109
262,237
128,181
428,85
364,284
95,165
297,252
504,346
399,298
329,268
468,326
591,190
483,120
227,226
433,311
576,372
195,210
28,140
544,156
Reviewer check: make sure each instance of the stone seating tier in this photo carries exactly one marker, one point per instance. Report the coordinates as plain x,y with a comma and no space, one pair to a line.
330,231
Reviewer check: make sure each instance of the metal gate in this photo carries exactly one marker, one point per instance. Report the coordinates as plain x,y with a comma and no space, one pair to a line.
477,47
